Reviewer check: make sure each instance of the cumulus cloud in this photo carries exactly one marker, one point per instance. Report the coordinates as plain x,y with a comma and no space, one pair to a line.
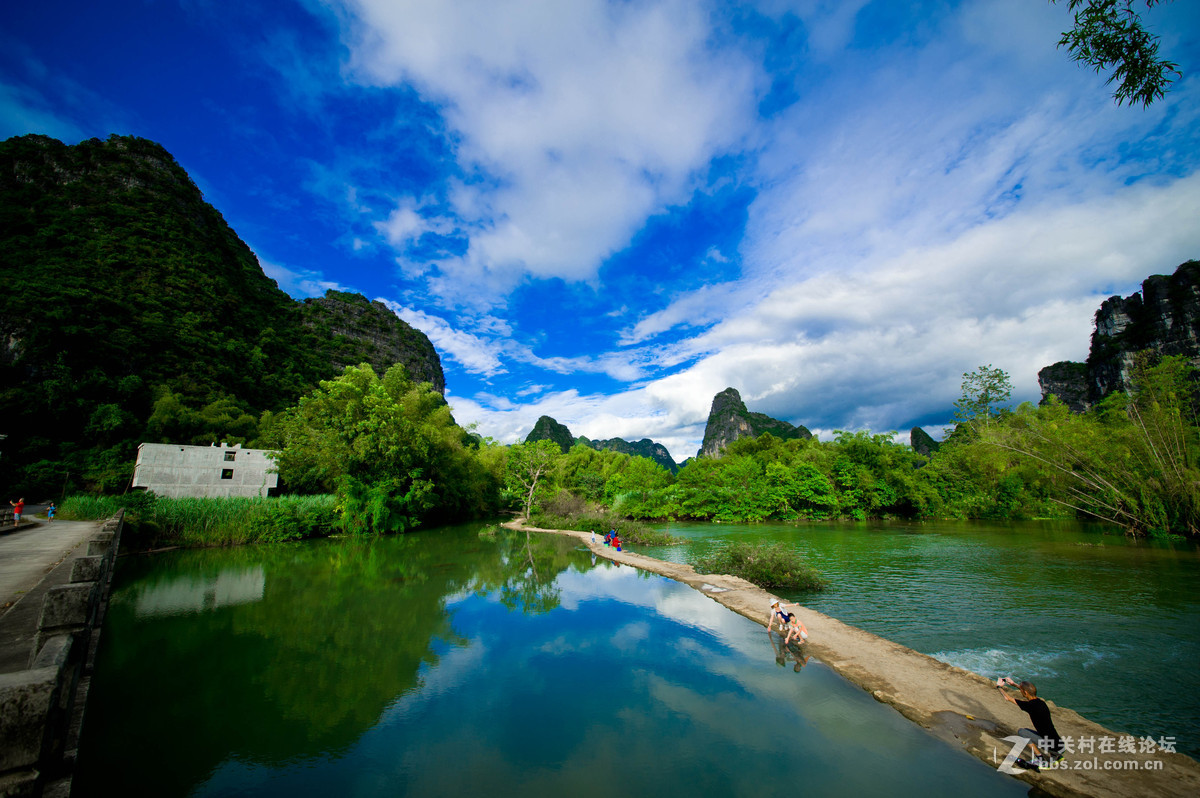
409,221
476,354
583,119
959,195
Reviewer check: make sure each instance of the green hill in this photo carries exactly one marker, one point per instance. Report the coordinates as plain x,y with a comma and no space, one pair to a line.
132,312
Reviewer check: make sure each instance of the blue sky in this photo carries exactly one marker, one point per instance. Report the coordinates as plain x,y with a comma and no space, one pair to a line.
607,212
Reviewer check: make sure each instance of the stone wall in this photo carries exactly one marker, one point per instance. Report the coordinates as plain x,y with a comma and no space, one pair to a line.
41,707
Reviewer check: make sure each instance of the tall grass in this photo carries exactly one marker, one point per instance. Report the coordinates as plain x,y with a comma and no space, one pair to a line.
89,508
227,521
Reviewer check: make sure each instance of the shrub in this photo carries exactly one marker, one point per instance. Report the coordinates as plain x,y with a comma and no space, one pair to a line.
768,565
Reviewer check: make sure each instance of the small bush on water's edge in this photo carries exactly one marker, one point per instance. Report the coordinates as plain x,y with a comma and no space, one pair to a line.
153,521
768,565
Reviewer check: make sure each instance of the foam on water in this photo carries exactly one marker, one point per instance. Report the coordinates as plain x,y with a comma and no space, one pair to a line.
1029,664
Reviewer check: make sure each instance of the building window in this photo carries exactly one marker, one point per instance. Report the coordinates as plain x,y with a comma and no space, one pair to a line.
229,456
226,473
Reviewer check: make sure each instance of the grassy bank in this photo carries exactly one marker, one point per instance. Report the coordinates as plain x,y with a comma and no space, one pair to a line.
768,565
153,521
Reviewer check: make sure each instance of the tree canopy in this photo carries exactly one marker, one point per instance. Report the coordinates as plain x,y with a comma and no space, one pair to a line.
388,448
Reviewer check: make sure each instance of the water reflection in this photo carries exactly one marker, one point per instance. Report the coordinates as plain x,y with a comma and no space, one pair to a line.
340,630
475,660
196,594
788,652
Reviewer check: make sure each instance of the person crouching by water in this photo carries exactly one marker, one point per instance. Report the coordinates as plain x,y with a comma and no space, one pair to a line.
787,620
1043,731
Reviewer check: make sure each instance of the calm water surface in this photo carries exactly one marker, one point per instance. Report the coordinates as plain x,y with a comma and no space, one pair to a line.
449,662
1107,626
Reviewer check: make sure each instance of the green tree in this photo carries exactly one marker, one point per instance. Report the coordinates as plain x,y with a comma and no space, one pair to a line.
387,447
1108,35
528,465
636,491
984,393
1131,462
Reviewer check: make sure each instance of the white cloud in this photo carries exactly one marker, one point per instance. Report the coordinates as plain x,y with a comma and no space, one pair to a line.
473,352
585,117
963,195
301,283
407,223
890,342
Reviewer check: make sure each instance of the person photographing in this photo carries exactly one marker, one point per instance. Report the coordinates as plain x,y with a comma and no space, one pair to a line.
1043,730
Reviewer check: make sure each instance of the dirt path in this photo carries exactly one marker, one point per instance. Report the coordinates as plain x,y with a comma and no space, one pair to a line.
958,706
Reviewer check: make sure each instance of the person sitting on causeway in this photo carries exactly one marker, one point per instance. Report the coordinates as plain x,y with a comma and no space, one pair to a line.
1043,730
787,620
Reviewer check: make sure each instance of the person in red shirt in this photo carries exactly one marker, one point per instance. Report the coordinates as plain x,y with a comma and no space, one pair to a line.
18,508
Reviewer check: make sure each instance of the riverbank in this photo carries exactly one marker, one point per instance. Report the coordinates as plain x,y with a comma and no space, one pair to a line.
955,705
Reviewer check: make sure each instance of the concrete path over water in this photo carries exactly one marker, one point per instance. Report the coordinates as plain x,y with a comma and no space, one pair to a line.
958,706
34,557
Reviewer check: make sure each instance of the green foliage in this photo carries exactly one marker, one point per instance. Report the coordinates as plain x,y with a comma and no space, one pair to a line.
984,392
528,465
1108,34
859,475
768,565
1132,461
638,490
153,521
134,313
389,450
568,512
585,471
89,508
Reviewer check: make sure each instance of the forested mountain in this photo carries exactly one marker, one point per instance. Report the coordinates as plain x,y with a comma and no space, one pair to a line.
643,448
132,312
548,429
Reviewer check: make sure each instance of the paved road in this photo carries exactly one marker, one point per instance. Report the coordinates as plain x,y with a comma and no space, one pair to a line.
32,550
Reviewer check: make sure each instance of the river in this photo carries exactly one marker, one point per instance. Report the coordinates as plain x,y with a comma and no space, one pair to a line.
1104,624
463,660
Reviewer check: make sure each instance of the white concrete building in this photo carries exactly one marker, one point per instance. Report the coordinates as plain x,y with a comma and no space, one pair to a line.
173,470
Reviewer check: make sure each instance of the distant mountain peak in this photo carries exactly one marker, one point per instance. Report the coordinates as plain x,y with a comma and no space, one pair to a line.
547,429
729,420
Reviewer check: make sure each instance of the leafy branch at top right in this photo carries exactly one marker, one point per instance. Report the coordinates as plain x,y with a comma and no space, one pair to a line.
1108,35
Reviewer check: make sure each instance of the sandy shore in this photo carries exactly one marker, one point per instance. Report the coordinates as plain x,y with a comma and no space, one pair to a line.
958,706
